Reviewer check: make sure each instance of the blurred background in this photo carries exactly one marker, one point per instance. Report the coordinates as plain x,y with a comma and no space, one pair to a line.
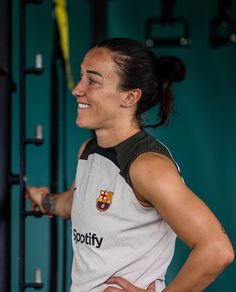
40,43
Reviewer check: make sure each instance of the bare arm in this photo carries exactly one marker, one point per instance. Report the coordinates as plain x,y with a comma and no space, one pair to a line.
157,182
57,204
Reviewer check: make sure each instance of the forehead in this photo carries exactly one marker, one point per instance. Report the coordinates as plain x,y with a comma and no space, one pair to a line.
100,60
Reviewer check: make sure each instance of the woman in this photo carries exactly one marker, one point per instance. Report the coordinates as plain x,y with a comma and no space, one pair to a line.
129,201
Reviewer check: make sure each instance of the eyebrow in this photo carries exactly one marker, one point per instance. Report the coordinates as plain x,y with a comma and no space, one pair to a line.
94,72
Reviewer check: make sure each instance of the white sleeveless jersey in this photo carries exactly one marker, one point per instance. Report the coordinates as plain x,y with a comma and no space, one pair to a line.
112,233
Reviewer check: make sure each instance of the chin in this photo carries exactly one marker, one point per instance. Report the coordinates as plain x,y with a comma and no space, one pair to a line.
83,125
79,123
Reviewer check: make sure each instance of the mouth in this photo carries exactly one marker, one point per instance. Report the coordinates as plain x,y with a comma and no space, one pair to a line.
82,105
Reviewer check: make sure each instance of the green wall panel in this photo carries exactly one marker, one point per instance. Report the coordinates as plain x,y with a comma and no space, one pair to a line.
201,134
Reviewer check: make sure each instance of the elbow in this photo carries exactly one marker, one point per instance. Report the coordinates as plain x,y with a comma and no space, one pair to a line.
228,256
225,256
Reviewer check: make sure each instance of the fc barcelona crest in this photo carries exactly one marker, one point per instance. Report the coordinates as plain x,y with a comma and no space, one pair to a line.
104,200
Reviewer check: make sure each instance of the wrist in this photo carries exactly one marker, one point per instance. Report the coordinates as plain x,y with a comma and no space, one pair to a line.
48,203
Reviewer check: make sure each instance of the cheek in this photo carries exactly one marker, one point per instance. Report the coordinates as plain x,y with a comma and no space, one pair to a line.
104,100
111,105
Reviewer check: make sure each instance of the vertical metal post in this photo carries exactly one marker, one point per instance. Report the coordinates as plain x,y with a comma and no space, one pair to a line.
5,143
99,20
22,145
23,71
54,148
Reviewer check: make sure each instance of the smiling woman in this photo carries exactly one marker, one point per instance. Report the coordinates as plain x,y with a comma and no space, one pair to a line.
98,92
128,201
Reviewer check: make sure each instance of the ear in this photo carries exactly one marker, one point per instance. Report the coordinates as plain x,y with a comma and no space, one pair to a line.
131,98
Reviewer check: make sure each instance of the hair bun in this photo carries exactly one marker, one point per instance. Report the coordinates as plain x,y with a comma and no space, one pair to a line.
171,68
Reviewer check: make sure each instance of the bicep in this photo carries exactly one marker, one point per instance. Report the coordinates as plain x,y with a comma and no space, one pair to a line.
186,213
159,183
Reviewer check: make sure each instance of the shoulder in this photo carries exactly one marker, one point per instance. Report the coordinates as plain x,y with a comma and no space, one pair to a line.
153,165
153,175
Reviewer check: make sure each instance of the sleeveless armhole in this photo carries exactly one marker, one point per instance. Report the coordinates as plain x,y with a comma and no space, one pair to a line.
90,146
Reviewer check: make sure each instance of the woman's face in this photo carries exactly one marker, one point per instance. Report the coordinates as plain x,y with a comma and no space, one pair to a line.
97,93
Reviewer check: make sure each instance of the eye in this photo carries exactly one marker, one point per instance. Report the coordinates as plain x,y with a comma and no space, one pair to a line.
92,81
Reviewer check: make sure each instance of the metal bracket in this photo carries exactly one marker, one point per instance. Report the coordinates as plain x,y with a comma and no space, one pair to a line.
33,285
165,19
35,71
34,141
223,27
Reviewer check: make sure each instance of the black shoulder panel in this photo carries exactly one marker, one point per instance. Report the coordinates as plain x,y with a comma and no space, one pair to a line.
136,145
89,148
92,147
127,151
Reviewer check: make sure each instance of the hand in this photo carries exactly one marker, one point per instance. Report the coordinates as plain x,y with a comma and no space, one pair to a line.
36,195
126,286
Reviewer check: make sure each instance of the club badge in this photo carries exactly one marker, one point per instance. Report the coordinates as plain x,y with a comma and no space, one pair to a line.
104,200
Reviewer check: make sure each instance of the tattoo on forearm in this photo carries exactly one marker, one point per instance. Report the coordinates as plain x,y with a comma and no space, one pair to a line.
49,203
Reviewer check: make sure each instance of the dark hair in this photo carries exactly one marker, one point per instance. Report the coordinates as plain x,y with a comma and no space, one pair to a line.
139,67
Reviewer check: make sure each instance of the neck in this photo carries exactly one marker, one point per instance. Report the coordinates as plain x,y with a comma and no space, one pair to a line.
109,138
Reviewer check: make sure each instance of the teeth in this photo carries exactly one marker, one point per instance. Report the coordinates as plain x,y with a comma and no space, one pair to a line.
83,105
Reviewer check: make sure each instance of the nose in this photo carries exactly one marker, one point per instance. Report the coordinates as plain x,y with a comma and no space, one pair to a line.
78,90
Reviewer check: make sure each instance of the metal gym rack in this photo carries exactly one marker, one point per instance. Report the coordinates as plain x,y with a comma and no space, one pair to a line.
38,140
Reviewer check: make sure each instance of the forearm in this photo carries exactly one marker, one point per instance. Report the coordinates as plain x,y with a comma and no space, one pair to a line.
58,204
203,265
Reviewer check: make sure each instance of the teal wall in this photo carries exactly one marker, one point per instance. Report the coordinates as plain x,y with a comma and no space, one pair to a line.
201,134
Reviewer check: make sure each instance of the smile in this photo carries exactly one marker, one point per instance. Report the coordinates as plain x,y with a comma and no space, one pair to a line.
83,105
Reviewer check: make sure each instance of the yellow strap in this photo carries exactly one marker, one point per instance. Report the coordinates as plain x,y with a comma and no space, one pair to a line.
63,26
